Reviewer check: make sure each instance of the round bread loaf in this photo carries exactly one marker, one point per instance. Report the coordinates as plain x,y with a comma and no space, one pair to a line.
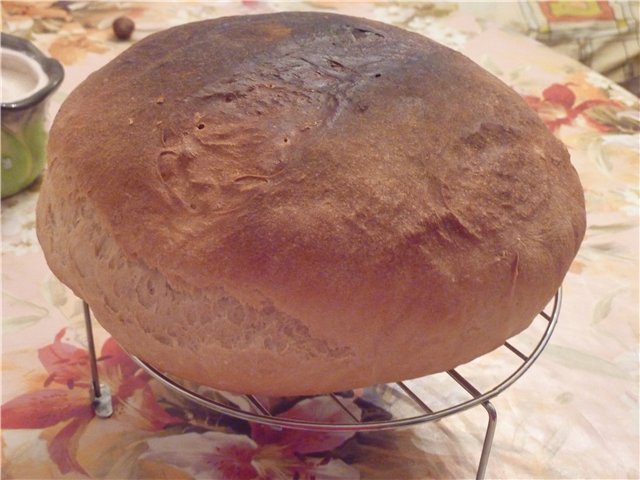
299,203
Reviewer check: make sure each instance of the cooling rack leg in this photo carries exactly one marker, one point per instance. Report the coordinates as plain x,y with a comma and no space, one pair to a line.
488,439
100,394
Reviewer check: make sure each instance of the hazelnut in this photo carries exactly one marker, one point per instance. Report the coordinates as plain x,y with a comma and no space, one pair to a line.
123,27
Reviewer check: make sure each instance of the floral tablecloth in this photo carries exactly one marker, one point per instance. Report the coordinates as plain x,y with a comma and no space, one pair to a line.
573,415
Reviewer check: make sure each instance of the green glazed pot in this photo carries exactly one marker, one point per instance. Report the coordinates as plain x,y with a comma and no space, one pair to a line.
29,78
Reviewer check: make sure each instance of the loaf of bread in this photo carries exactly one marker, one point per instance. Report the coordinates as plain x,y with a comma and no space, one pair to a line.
300,203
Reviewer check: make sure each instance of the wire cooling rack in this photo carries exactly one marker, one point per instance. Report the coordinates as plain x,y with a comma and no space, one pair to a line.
378,407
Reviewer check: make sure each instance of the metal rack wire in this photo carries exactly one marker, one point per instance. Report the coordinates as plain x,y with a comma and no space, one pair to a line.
415,409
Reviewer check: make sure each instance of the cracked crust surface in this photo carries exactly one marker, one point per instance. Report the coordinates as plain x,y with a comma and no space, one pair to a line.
298,203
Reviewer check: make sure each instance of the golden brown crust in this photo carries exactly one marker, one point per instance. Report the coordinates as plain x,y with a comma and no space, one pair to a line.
357,201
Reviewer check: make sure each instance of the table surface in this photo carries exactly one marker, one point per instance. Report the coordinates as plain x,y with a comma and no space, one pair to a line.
573,415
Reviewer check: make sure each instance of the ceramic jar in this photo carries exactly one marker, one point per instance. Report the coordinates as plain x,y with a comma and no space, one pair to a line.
28,79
